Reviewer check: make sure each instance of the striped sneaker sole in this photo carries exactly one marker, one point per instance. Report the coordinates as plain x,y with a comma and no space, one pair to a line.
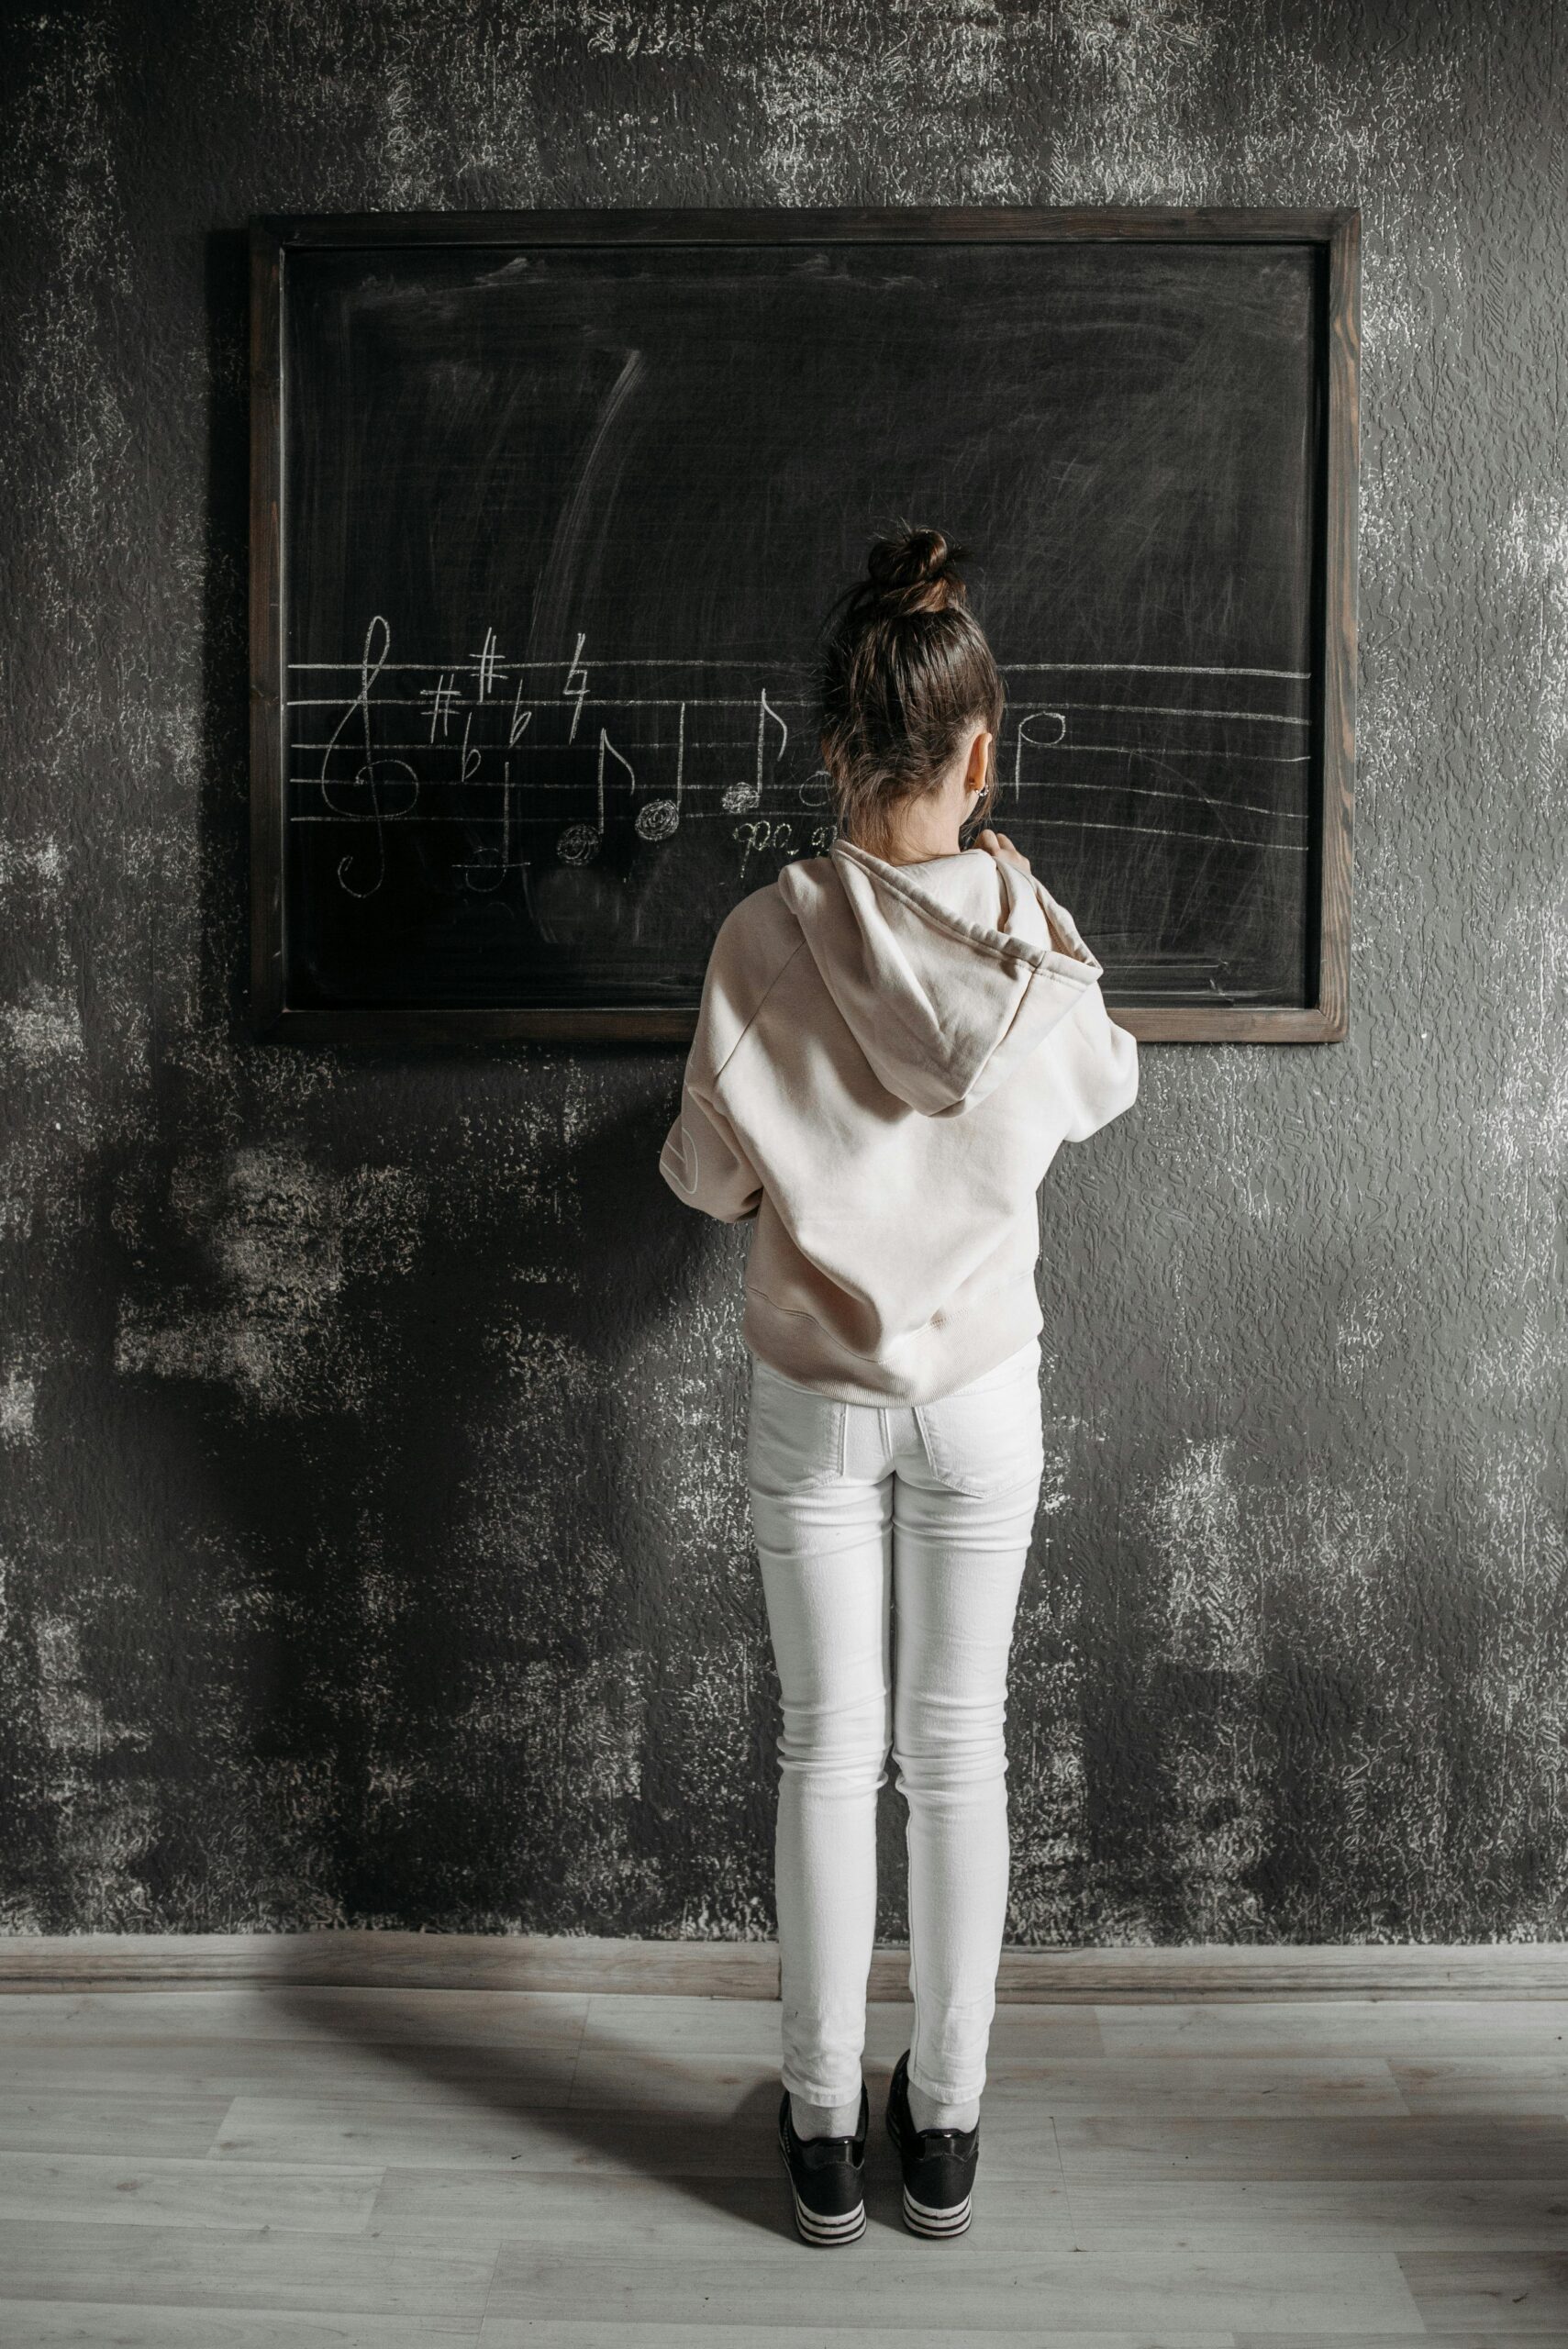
919,2217
810,2225
921,2221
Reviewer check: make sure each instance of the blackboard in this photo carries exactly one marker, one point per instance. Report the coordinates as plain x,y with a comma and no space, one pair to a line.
548,509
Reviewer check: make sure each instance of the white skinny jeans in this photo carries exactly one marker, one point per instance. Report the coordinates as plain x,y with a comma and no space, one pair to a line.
864,1514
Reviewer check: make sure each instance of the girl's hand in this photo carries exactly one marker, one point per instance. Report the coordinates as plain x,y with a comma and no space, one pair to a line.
1002,848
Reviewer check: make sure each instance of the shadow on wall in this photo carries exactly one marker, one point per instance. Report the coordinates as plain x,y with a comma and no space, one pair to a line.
386,1458
424,1574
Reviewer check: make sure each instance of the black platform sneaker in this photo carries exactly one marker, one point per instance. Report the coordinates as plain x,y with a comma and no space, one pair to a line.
938,2164
826,2176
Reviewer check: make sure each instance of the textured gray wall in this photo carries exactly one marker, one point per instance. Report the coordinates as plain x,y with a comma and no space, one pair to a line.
375,1547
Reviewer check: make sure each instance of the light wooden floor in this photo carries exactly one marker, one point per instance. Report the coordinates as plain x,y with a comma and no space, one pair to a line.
303,2167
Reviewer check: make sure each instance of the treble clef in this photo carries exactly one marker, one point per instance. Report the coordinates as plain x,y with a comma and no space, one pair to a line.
372,659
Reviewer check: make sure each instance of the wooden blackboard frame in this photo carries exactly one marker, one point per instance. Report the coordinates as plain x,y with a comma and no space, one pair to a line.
1324,1019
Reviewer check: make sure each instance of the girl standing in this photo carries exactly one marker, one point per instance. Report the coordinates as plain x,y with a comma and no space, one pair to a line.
894,1039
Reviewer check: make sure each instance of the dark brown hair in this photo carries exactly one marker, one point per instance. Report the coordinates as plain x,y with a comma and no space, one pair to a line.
906,670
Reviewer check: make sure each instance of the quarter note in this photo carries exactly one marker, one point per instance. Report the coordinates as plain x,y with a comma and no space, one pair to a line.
656,820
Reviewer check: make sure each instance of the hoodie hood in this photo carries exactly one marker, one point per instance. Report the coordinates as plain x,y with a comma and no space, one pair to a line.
948,974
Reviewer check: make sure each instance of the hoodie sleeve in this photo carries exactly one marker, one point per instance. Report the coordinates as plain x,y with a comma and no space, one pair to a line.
705,1160
1098,1065
1096,1062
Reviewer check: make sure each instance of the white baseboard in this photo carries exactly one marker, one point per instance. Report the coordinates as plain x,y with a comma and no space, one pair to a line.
713,1969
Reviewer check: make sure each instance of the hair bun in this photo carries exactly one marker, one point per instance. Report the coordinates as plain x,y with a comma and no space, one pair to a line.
912,570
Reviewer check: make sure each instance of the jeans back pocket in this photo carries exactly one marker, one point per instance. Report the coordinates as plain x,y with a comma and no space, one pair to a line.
793,1438
986,1444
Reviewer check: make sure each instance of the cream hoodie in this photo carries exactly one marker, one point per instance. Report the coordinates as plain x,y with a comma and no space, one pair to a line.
886,1058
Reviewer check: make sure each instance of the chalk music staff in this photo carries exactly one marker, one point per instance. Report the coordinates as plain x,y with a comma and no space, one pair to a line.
468,764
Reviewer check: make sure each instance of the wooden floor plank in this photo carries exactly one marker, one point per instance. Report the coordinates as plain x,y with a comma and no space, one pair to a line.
479,2133
968,2288
565,2333
1015,2030
80,2121
1387,2026
687,2085
1339,2214
227,2068
630,2080
753,2027
1310,2146
593,2216
1302,2084
128,2189
1495,2084
1508,2296
238,2267
114,2324
418,2018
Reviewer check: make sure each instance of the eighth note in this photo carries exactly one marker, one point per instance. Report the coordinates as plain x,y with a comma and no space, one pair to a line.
579,843
741,796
